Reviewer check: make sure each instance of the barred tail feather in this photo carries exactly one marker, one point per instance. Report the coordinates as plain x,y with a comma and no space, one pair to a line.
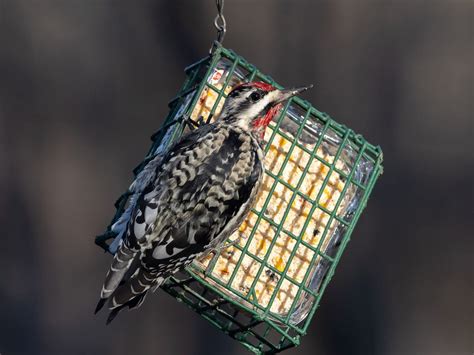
139,283
132,304
132,293
120,265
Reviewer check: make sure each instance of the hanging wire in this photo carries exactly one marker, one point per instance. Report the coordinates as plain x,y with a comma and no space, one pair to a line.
219,21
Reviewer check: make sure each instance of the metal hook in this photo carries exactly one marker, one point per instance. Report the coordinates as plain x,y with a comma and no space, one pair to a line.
219,21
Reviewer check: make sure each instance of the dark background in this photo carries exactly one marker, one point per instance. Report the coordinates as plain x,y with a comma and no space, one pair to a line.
83,84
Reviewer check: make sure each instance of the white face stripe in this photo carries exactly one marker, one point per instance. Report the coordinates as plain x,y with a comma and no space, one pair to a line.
257,107
235,102
238,100
241,107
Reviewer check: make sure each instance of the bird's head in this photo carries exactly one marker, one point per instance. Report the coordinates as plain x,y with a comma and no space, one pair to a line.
253,105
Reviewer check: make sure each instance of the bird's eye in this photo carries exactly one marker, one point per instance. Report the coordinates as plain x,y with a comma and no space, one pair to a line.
255,96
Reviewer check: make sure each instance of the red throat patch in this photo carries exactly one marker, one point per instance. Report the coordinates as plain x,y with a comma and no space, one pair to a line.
261,123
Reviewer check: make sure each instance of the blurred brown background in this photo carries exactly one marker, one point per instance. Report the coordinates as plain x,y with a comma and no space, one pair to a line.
83,84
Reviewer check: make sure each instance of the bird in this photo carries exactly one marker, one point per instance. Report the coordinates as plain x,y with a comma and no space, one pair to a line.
187,201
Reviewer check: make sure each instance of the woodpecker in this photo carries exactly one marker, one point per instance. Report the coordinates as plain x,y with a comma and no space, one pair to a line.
189,200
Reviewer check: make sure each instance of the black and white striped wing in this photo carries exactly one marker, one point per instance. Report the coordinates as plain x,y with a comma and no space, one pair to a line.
204,190
145,178
210,188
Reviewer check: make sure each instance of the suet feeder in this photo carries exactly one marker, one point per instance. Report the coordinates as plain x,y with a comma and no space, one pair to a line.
264,289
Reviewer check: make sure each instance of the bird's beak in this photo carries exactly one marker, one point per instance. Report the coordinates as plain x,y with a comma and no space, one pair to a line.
285,94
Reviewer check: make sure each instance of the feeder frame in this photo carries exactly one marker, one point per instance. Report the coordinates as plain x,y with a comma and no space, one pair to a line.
258,329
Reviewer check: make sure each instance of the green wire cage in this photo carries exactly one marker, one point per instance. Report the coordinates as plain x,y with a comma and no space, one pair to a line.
264,289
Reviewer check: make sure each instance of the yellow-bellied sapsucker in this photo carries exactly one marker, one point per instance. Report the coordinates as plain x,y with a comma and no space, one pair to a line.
187,201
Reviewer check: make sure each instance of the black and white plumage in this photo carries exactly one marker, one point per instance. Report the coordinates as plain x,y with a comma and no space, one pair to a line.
189,200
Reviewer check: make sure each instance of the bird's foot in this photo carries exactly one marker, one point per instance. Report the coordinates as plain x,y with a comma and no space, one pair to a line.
200,121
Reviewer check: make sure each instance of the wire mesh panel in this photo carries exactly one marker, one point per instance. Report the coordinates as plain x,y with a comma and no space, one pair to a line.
264,289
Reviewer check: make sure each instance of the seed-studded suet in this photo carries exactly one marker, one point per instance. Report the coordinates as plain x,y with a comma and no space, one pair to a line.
189,200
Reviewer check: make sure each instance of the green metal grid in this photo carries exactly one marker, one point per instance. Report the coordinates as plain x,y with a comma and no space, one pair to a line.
241,316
